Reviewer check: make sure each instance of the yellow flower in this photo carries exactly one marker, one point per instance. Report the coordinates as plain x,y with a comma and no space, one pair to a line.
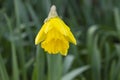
55,35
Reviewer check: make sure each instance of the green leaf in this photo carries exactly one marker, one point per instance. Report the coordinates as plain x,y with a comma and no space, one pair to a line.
117,20
94,53
67,63
74,73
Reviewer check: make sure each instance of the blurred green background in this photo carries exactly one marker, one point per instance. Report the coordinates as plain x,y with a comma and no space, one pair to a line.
95,24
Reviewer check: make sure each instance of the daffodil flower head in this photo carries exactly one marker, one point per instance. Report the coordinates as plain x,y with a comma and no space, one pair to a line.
55,35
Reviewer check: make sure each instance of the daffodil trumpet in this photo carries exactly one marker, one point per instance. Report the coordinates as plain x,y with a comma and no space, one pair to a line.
55,35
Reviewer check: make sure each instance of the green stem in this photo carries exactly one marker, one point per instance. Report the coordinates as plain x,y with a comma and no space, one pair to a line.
54,67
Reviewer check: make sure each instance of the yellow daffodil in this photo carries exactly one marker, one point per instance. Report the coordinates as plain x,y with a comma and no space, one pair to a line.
55,35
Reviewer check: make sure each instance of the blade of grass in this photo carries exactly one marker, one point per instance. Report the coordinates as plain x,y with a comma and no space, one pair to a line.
22,62
87,5
107,58
29,63
112,70
116,70
17,13
3,72
15,63
14,56
33,14
17,4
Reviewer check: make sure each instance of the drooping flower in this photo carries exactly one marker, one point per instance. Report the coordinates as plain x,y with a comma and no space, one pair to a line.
55,35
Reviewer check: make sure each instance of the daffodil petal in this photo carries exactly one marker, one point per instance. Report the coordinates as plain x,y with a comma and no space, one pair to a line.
47,27
71,38
40,36
59,25
55,43
63,29
56,46
42,33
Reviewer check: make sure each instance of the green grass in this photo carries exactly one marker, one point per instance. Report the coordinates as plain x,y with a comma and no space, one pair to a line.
95,24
